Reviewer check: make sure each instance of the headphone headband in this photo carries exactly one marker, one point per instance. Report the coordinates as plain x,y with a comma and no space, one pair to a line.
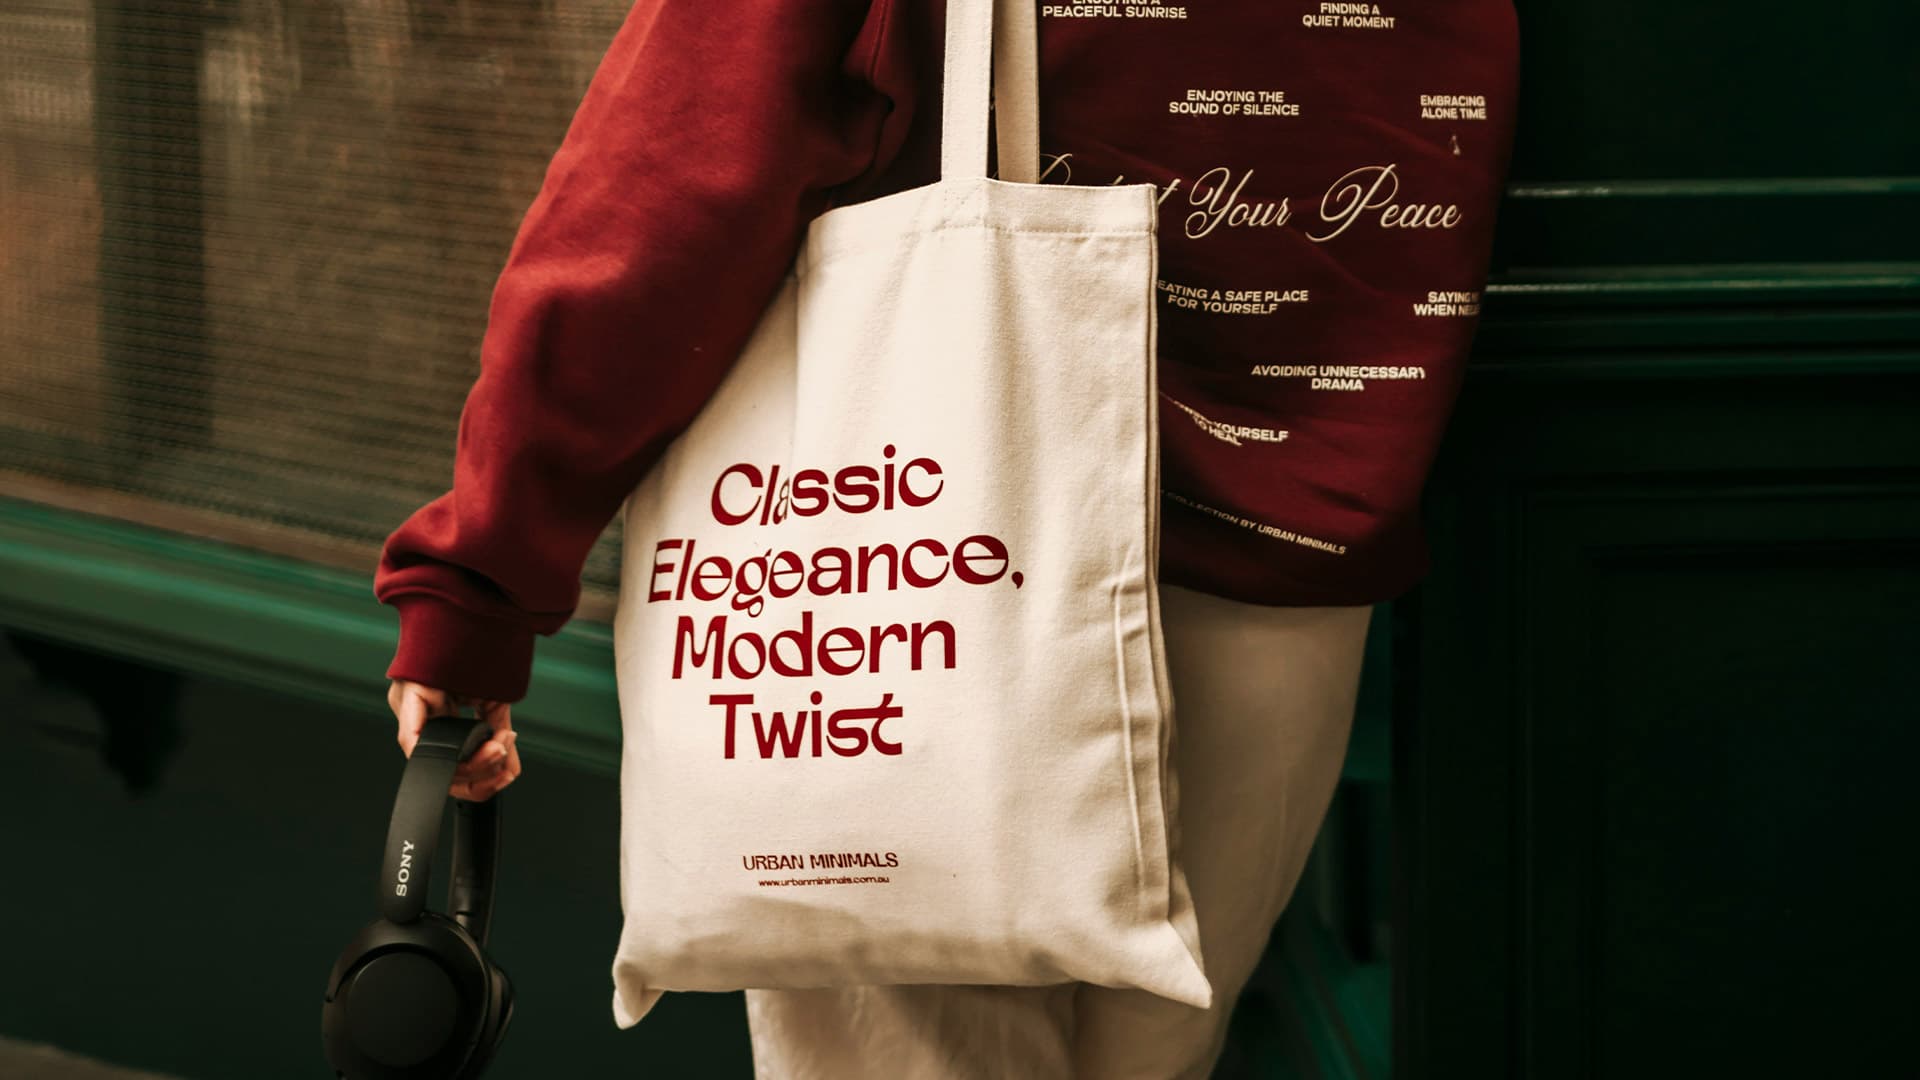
413,834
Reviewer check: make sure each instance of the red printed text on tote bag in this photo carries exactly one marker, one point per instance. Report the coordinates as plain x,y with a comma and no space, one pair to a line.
744,494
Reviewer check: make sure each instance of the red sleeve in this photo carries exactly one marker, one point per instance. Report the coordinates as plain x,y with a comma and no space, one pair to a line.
712,132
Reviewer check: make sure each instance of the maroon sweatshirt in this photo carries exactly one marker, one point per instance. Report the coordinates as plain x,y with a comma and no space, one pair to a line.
1329,174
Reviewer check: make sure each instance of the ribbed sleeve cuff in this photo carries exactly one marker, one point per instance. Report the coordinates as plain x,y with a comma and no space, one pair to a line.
449,648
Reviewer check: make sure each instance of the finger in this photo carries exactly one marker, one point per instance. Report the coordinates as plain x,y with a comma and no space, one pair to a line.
417,703
486,787
485,761
412,714
513,751
495,762
499,716
488,756
482,790
499,743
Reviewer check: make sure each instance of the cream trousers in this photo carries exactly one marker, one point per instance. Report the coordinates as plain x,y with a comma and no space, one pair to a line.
1263,702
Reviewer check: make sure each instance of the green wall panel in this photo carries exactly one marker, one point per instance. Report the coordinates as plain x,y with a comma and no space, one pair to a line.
223,610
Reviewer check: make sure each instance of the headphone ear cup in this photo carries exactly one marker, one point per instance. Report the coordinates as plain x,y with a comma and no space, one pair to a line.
503,986
484,994
403,999
417,996
500,1014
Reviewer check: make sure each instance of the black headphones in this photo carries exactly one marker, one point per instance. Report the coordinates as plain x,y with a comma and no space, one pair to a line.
414,996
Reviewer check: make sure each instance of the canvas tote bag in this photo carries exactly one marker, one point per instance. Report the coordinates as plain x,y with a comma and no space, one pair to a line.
892,685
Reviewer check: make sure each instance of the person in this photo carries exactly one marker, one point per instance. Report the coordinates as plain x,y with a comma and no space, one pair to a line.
1329,176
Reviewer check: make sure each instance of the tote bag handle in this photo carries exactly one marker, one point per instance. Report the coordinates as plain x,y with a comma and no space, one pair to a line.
978,35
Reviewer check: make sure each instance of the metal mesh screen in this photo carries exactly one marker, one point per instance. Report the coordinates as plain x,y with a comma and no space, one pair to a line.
246,250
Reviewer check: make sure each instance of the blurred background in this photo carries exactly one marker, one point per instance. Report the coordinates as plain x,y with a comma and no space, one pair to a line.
1632,769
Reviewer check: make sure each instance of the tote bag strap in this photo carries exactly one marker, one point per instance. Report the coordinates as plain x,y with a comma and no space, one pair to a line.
978,35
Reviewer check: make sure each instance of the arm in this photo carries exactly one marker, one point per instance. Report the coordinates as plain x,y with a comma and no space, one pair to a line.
712,132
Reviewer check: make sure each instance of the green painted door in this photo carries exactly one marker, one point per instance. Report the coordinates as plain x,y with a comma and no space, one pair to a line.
1653,777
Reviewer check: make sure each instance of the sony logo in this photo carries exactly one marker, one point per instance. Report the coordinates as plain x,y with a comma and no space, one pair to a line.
406,868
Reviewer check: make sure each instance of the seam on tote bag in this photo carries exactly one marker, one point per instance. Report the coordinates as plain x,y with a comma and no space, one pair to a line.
827,251
1126,738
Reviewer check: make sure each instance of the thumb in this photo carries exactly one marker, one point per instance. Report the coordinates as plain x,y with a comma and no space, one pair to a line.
416,703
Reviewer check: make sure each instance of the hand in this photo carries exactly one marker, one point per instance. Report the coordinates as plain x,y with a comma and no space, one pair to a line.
491,768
